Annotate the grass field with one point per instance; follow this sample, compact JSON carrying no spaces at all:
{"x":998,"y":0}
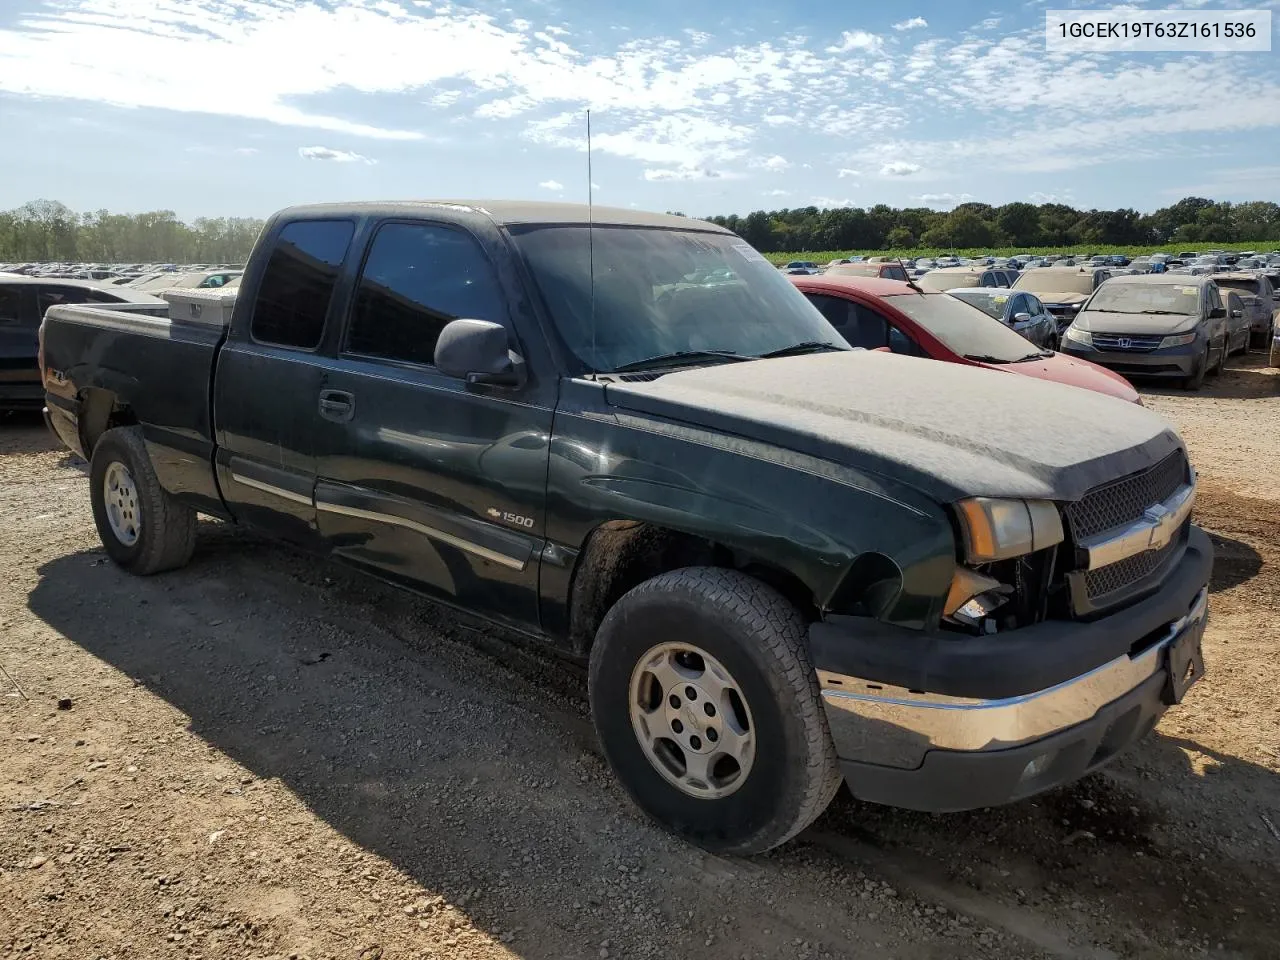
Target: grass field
{"x":824,"y":256}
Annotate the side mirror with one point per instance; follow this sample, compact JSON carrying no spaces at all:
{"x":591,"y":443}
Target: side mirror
{"x":1217,"y":313}
{"x":476,"y":351}
{"x":1021,"y":317}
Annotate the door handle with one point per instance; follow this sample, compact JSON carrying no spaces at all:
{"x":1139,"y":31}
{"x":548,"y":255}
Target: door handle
{"x":337,"y":405}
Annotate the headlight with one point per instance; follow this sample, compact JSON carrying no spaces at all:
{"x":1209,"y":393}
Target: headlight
{"x":999,"y":529}
{"x":1180,"y":340}
{"x":1080,"y":336}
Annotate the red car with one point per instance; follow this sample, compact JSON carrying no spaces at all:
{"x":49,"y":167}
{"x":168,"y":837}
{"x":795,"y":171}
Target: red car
{"x":892,"y":315}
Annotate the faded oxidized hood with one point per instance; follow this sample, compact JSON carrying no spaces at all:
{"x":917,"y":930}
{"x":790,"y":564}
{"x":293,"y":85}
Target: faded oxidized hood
{"x":948,"y":429}
{"x":1141,"y":324}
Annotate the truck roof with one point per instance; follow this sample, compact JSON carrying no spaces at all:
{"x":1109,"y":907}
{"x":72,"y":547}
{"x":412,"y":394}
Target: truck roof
{"x":511,"y":212}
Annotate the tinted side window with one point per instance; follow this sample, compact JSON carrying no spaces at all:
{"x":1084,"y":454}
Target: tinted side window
{"x":416,"y":279}
{"x":47,"y":297}
{"x":13,"y":310}
{"x":297,"y":285}
{"x":988,"y":279}
{"x":858,"y":325}
{"x":895,"y":273}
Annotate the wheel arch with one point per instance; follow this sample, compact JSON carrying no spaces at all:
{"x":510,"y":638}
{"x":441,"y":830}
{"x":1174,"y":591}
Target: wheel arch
{"x":621,"y":554}
{"x":101,"y":410}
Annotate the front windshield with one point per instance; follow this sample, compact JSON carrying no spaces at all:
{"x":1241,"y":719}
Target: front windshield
{"x":990,"y":303}
{"x":660,"y":292}
{"x":1054,"y":280}
{"x":1115,"y":297}
{"x":964,"y":329}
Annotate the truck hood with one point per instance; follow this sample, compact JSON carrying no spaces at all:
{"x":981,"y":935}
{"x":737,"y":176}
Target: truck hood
{"x":949,"y":430}
{"x":1150,"y":324}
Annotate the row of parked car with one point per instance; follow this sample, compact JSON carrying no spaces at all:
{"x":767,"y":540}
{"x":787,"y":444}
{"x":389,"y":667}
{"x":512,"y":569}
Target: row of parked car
{"x":128,"y":274}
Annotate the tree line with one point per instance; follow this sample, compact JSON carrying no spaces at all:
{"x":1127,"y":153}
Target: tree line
{"x":1193,"y":220}
{"x":47,"y":230}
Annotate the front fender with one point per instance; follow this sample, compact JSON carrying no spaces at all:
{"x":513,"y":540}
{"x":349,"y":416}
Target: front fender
{"x":806,"y":516}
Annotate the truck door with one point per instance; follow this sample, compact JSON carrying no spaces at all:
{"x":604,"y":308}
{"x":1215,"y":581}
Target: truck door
{"x":427,"y":479}
{"x":269,"y":381}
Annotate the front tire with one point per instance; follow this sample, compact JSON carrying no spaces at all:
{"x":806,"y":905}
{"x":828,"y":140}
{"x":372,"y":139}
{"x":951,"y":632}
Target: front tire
{"x":707,"y":706}
{"x":1196,"y":380}
{"x":1221,"y":365}
{"x":143,"y":528}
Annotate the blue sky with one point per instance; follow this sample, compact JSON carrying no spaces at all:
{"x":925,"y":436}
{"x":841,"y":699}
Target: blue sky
{"x":239,"y":107}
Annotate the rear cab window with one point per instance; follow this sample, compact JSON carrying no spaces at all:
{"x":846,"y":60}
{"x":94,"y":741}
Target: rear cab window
{"x":297,"y":285}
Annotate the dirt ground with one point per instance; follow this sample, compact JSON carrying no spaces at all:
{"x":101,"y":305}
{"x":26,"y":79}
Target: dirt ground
{"x":265,"y":756}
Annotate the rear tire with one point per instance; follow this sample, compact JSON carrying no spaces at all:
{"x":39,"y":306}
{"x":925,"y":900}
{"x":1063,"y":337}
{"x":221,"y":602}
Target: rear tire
{"x":717,"y":640}
{"x":143,"y":528}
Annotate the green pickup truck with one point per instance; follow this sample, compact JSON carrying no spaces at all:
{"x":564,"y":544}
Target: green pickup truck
{"x":787,"y":562}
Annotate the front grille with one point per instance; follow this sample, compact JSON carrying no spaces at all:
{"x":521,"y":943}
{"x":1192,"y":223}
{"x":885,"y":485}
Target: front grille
{"x":1116,"y":576}
{"x":1118,"y":504}
{"x":1123,"y":501}
{"x":1117,"y":341}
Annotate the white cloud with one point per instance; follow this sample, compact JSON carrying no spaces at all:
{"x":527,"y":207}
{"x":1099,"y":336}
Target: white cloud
{"x":915,"y":23}
{"x":1064,"y":197}
{"x":899,"y":168}
{"x":683,"y":173}
{"x":942,"y":200}
{"x":830,"y":203}
{"x":989,"y":24}
{"x":553,"y":185}
{"x":779,"y":119}
{"x":776,"y":193}
{"x":337,"y":156}
{"x":846,"y":172}
{"x":852,"y":40}
{"x":775,"y":164}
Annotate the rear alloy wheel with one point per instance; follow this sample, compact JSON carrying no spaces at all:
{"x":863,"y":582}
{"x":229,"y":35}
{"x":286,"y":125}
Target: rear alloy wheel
{"x":708,"y":709}
{"x":142,"y":527}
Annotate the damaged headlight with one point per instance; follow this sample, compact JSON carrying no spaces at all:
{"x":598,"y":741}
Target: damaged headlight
{"x":996,"y":529}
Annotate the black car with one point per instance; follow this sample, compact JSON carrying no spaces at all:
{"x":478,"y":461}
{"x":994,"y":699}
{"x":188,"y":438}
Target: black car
{"x":23,"y":301}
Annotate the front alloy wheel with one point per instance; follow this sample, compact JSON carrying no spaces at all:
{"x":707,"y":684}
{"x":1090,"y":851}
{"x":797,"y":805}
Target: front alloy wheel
{"x":692,"y":721}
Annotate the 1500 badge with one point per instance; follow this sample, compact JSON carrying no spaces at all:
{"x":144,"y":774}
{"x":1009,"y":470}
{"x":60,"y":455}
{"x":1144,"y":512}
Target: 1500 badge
{"x":515,"y":518}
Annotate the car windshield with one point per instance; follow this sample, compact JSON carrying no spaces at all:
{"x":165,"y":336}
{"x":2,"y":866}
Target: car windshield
{"x":1146,"y":298}
{"x":1054,"y":280}
{"x":990,"y":302}
{"x":962,"y":328}
{"x":663,"y":292}
{"x":1249,"y":286}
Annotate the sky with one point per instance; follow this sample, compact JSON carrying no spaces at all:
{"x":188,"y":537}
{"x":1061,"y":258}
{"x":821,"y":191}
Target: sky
{"x":241,"y":107}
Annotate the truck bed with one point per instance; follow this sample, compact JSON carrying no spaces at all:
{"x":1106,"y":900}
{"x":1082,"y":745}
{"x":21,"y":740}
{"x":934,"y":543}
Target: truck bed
{"x":94,"y":358}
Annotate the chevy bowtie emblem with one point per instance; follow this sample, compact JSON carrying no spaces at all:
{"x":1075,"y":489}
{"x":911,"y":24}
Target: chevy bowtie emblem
{"x":494,"y":512}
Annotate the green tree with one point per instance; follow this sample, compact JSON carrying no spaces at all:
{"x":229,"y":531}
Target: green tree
{"x":900,"y":238}
{"x":1019,"y":223}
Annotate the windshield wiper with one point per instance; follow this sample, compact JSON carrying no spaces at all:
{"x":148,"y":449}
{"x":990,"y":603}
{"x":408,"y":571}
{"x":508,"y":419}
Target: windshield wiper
{"x":985,"y":358}
{"x":806,"y":346}
{"x":1038,"y":355}
{"x":680,"y":358}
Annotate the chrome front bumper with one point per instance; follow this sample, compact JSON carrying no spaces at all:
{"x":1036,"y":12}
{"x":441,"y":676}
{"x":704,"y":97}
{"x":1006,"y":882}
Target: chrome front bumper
{"x":873,"y":723}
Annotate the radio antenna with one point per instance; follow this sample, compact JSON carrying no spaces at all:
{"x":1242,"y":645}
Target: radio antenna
{"x":591,"y":252}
